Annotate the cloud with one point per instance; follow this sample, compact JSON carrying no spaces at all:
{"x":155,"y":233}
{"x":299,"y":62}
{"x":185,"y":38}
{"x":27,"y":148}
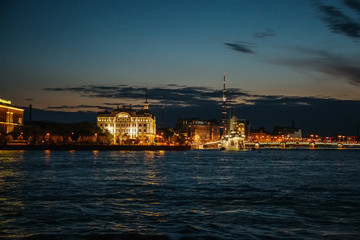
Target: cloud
{"x":266,"y":34}
{"x":338,"y":22}
{"x":243,"y":47}
{"x":353,"y":4}
{"x":325,"y":62}
{"x":174,"y":85}
{"x":168,"y":95}
{"x":68,"y":107}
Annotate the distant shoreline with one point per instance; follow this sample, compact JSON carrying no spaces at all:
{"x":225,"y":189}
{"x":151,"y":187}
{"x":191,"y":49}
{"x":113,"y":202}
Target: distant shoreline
{"x":96,"y":147}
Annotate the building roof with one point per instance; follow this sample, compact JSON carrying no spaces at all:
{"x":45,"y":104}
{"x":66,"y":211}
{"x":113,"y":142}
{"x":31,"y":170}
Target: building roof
{"x":130,"y":111}
{"x":11,"y":107}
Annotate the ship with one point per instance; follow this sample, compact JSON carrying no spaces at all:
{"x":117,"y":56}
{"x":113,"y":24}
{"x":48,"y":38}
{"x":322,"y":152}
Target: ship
{"x":234,"y":140}
{"x":233,"y":132}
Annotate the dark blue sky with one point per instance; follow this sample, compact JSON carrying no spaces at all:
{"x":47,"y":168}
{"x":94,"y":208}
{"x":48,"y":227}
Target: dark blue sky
{"x":92,"y":55}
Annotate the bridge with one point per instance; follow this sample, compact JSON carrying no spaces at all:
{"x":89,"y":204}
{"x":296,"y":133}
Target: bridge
{"x":291,"y":144}
{"x":311,"y":145}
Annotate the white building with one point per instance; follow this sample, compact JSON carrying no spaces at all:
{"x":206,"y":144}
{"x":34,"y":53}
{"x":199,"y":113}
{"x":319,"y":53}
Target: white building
{"x":126,"y":124}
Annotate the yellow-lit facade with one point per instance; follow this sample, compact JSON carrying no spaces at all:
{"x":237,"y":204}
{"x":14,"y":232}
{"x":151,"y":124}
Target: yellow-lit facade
{"x":126,"y":124}
{"x":10,"y":117}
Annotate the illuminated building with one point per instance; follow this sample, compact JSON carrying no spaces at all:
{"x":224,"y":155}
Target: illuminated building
{"x":10,"y":116}
{"x":288,"y":132}
{"x":127,"y":124}
{"x":260,"y":136}
{"x":199,"y":130}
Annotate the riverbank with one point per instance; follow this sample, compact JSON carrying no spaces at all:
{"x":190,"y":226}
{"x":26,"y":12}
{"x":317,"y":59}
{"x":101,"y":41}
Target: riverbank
{"x":96,"y":147}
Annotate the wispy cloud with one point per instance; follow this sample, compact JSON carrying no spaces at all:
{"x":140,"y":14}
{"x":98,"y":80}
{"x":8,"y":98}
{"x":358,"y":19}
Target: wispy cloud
{"x":266,"y":34}
{"x":342,"y":68}
{"x":337,"y":21}
{"x":243,"y":47}
{"x":68,"y":107}
{"x":353,"y":4}
{"x":172,"y":85}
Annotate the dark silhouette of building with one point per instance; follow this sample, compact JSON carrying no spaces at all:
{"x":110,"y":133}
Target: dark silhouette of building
{"x":287,"y":132}
{"x":199,"y":130}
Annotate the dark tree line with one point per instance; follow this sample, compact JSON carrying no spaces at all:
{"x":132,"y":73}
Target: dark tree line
{"x":57,"y":133}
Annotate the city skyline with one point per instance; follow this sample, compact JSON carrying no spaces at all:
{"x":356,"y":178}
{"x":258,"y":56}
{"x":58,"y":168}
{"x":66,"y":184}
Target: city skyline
{"x":288,"y":60}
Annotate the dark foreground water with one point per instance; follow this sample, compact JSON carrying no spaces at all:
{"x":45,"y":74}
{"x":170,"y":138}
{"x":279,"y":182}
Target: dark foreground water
{"x":272,"y":194}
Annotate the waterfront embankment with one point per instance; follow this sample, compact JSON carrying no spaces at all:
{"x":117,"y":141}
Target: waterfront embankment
{"x":97,"y":147}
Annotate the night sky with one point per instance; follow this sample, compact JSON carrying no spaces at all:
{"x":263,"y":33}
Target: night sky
{"x":285,"y":60}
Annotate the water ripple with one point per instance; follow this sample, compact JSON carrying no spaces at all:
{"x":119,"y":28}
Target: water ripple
{"x":275,"y":194}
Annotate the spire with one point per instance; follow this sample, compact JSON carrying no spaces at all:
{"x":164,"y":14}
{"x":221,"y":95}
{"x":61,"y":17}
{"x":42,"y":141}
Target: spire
{"x":146,"y":106}
{"x":224,"y":113}
{"x":146,"y":102}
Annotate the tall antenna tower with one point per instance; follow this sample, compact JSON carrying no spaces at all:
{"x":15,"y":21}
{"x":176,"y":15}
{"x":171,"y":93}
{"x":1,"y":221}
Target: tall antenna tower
{"x":224,"y":112}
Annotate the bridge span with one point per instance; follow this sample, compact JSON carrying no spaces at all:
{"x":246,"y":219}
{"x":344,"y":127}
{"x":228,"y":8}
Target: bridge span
{"x":312,"y":145}
{"x":291,"y":144}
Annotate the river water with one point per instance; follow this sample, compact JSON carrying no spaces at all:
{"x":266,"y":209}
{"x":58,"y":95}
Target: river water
{"x":272,"y":194}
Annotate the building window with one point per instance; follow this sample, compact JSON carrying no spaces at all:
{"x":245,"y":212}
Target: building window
{"x":144,"y":124}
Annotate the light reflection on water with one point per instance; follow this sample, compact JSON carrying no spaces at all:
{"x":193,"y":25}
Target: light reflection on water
{"x":152,"y":168}
{"x":47,"y":156}
{"x":195,"y":194}
{"x":10,"y":179}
